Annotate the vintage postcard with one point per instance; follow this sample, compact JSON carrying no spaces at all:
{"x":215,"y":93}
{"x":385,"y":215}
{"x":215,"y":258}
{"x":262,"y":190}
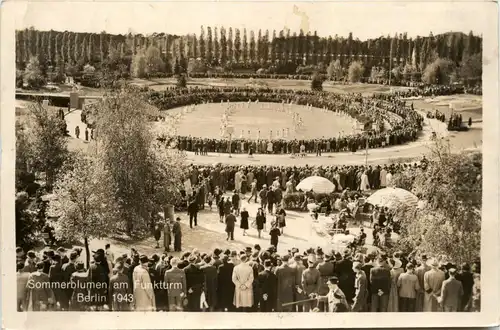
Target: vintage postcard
{"x":249,"y":164}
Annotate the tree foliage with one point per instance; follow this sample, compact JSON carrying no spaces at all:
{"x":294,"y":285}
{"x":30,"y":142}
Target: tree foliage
{"x":439,"y":72}
{"x":334,"y":70}
{"x":317,"y":82}
{"x":46,"y":144}
{"x":356,"y":70}
{"x":33,"y":74}
{"x":141,"y":178}
{"x":82,"y":204}
{"x":450,"y":223}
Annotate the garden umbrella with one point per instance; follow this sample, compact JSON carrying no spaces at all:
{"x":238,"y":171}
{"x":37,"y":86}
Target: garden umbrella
{"x":393,"y":197}
{"x":317,"y":184}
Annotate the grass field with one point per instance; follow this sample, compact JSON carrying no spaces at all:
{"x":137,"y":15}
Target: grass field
{"x":205,"y":121}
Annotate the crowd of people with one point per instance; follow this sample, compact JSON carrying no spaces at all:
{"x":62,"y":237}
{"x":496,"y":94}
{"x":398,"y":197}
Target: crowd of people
{"x":403,"y":123}
{"x":252,"y":178}
{"x":251,"y":280}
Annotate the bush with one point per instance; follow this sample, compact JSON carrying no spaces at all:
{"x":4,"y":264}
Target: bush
{"x":181,"y":81}
{"x":317,"y":82}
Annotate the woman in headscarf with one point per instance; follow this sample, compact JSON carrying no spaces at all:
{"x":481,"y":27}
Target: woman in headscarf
{"x":244,"y":221}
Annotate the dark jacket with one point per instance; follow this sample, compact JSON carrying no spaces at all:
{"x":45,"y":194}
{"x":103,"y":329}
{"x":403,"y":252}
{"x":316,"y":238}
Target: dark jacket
{"x":380,"y":279}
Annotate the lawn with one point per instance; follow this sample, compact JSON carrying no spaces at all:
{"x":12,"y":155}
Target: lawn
{"x":205,"y":121}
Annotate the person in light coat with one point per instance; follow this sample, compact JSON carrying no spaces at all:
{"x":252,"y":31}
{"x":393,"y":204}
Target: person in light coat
{"x":383,"y":178}
{"x":420,"y":271}
{"x":433,"y":279}
{"x":243,"y":281}
{"x":144,"y":297}
{"x":365,"y":185}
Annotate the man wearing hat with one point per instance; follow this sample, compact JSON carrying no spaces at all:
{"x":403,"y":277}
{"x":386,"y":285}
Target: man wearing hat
{"x":451,"y":292}
{"x":144,"y":297}
{"x":334,"y":296}
{"x":194,"y":282}
{"x":267,"y":283}
{"x":299,"y":268}
{"x":210,"y":281}
{"x":99,"y":277}
{"x":225,"y":285}
{"x":380,"y":278}
{"x":311,"y":281}
{"x":243,"y":284}
{"x":433,"y":280}
{"x":408,"y":287}
{"x":286,"y":284}
{"x":177,"y":233}
{"x":79,"y":278}
{"x":67,"y":270}
{"x":120,"y":293}
{"x":361,"y":286}
{"x":263,"y":197}
{"x":175,"y":282}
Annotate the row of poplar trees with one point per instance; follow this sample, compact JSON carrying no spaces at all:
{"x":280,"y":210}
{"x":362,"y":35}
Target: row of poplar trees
{"x":221,"y":46}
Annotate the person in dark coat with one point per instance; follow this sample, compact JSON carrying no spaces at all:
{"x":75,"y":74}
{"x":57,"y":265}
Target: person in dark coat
{"x":270,"y":200}
{"x":194,"y":282}
{"x":210,"y":284}
{"x":281,"y":218}
{"x":157,"y":235}
{"x":260,"y":220}
{"x":56,"y":279}
{"x":346,"y":277}
{"x":235,"y":200}
{"x":380,"y":278}
{"x":267,"y":284}
{"x":193,"y":212}
{"x":275,"y":233}
{"x":67,"y":270}
{"x":220,"y":207}
{"x":286,"y":285}
{"x":244,"y":221}
{"x":79,"y":280}
{"x":99,"y":277}
{"x":176,"y":231}
{"x":230,"y":221}
{"x":466,"y":277}
{"x":225,"y":285}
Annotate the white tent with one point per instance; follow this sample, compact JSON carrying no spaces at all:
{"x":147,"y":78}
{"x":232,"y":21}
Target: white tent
{"x":317,"y":184}
{"x":392,"y":197}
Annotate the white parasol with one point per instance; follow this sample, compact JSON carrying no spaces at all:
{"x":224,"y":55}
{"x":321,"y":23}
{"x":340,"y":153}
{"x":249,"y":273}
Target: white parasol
{"x":393,"y":197}
{"x":317,"y":184}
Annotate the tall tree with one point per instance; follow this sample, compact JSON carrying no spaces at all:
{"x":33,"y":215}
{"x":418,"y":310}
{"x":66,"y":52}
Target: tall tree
{"x":251,"y":50}
{"x":230,"y":51}
{"x":223,"y":46}
{"x":216,"y":46}
{"x":201,"y":43}
{"x":210,"y":55}
{"x":237,"y":45}
{"x":245,"y":54}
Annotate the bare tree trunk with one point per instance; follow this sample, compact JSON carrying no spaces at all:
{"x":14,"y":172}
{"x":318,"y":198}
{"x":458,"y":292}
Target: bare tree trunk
{"x":87,"y":251}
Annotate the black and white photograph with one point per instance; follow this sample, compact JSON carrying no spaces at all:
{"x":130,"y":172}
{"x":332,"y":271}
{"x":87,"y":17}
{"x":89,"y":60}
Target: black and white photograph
{"x":255,"y":159}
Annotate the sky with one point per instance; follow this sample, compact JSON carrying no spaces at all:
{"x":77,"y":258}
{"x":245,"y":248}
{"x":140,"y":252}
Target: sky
{"x":363,"y":19}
